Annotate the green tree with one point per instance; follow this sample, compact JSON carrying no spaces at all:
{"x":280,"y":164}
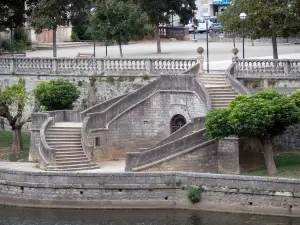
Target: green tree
{"x":13,"y":99}
{"x":265,"y":18}
{"x":118,"y":20}
{"x":263,"y":115}
{"x":56,"y":94}
{"x":49,"y":14}
{"x":159,"y":12}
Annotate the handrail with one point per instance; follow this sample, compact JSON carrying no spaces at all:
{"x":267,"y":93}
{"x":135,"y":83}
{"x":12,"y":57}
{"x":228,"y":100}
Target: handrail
{"x":138,"y":159}
{"x":231,"y":80}
{"x":46,"y":152}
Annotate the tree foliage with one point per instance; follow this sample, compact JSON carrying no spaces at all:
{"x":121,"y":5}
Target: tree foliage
{"x":14,"y":99}
{"x":56,"y":94}
{"x":49,"y":14}
{"x":160,"y":11}
{"x":265,"y":18}
{"x":118,"y":20}
{"x":262,"y":115}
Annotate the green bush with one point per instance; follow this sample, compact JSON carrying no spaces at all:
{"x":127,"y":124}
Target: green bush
{"x":74,"y":37}
{"x":5,"y":46}
{"x":56,"y":94}
{"x":194,"y":195}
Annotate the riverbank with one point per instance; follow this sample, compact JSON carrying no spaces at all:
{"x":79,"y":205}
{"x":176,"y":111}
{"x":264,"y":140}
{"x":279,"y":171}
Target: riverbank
{"x":164,"y":190}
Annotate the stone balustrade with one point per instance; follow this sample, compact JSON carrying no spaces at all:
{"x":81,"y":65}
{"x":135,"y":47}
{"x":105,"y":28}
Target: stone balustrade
{"x":267,"y":68}
{"x":92,"y":66}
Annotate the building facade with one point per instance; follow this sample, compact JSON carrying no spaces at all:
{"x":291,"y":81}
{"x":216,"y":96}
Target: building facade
{"x":212,"y":7}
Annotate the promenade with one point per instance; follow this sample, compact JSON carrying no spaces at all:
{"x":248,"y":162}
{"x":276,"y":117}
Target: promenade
{"x":219,"y":53}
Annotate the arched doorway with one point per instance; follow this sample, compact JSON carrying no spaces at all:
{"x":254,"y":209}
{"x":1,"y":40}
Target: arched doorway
{"x":177,"y":121}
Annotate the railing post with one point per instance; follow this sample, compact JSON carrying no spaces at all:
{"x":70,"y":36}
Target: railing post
{"x":100,"y":65}
{"x":200,"y":50}
{"x":149,"y":65}
{"x":235,"y":58}
{"x":12,"y":63}
{"x":287,"y":67}
{"x":54,"y":65}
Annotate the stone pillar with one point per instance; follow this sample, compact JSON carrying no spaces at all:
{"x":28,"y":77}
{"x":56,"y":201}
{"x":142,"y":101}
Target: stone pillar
{"x":228,"y":155}
{"x":149,"y":65}
{"x":200,"y":59}
{"x":12,"y":65}
{"x":235,"y":51}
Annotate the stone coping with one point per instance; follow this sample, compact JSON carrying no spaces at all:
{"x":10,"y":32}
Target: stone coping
{"x":152,"y":174}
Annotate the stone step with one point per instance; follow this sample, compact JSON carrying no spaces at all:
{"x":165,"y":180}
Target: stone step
{"x":63,"y":154}
{"x":212,"y":75}
{"x":74,"y":162}
{"x":212,"y":79}
{"x":213,"y":98}
{"x":68,"y":158}
{"x":64,"y":131}
{"x":62,"y":142}
{"x":81,"y":166}
{"x":213,"y":83}
{"x":68,"y":139}
{"x":222,"y":93}
{"x":65,"y":146}
{"x":63,"y":136}
{"x":64,"y":128}
{"x":68,"y":152}
{"x":76,"y":169}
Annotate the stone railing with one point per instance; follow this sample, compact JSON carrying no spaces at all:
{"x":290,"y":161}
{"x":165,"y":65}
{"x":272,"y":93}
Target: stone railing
{"x":92,"y":66}
{"x":267,"y":68}
{"x":47,"y":154}
{"x":179,"y":33}
{"x":136,"y":160}
{"x":196,"y":124}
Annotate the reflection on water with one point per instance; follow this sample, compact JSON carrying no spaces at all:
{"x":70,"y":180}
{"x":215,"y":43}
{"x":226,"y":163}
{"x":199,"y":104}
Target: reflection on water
{"x":25,"y":216}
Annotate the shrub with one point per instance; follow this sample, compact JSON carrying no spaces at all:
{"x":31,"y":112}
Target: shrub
{"x":56,"y":94}
{"x":74,"y":37}
{"x":194,"y":195}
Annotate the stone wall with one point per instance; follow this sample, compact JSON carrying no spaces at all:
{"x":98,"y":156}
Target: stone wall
{"x":233,"y":193}
{"x":147,"y":123}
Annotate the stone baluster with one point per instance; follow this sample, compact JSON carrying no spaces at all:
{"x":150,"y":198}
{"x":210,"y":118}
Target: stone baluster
{"x":200,"y":51}
{"x":12,"y":65}
{"x":54,"y":65}
{"x":149,"y":65}
{"x":287,"y":67}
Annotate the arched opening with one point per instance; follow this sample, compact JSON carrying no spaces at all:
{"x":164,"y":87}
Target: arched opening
{"x":177,"y":121}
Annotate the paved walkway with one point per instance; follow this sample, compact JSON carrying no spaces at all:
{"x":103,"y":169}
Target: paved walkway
{"x":106,"y":167}
{"x":219,"y":53}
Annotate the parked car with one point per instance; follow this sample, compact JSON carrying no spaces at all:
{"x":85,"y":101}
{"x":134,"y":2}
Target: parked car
{"x":192,"y":27}
{"x":216,"y":27}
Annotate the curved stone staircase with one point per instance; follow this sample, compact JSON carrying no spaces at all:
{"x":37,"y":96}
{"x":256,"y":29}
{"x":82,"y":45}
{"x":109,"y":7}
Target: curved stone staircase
{"x":65,"y":138}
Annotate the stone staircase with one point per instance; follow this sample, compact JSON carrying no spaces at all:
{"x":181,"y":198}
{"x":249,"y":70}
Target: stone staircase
{"x":220,"y":92}
{"x":65,"y":138}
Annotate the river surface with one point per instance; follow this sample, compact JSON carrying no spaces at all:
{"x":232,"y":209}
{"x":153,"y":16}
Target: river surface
{"x":27,"y":216}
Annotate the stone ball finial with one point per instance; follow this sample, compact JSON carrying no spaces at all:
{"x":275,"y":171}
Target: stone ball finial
{"x":235,"y":51}
{"x":200,"y":50}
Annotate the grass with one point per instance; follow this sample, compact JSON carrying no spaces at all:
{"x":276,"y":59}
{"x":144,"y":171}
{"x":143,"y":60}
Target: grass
{"x":5,"y":147}
{"x":288,"y":166}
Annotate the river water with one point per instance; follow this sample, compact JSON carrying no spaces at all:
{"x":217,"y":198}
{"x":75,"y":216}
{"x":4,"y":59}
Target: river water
{"x":27,"y":216}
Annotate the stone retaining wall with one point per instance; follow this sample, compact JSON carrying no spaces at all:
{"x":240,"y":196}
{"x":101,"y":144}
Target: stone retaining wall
{"x":263,"y":195}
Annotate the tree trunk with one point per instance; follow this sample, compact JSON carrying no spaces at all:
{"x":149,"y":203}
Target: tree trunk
{"x":269,"y":155}
{"x":158,"y":40}
{"x":120,"y":48}
{"x":17,"y":140}
{"x":274,"y":45}
{"x":54,"y":42}
{"x":2,"y":126}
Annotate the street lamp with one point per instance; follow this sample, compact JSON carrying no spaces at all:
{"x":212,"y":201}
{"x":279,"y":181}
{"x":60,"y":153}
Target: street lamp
{"x":243,"y":17}
{"x":92,"y":13}
{"x":207,"y":17}
{"x":11,"y":14}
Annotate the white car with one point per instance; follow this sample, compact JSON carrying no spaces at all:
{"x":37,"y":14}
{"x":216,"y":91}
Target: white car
{"x":192,"y":27}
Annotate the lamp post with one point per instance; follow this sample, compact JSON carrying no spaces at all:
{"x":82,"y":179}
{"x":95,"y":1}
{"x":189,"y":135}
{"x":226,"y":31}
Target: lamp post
{"x":11,"y":14}
{"x":92,"y":13}
{"x":207,"y":17}
{"x":243,"y":17}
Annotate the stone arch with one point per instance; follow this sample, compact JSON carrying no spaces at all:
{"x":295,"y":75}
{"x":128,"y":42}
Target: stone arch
{"x":177,"y":122}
